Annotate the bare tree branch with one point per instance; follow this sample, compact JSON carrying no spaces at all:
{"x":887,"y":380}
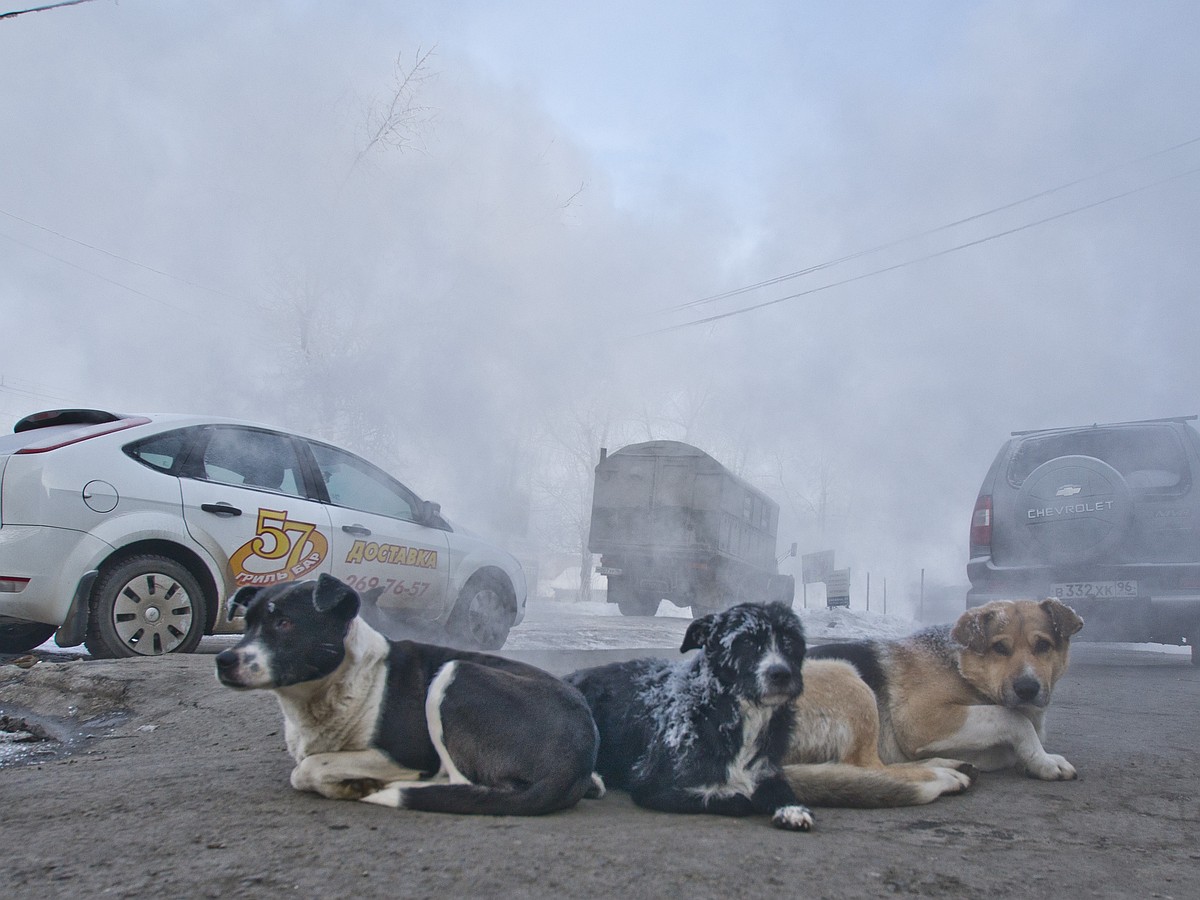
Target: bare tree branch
{"x":398,"y":125}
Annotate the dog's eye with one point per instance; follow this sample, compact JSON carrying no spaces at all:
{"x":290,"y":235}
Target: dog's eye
{"x":1042,"y":646}
{"x":1001,"y":649}
{"x":284,"y":625}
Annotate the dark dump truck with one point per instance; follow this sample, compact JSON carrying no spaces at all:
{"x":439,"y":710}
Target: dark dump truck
{"x":670,"y":522}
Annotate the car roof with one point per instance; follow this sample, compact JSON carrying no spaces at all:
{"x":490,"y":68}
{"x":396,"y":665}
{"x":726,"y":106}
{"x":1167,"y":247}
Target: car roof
{"x":47,"y":425}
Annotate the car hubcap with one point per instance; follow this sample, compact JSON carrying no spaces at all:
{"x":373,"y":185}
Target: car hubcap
{"x":485,"y":615}
{"x":152,"y":614}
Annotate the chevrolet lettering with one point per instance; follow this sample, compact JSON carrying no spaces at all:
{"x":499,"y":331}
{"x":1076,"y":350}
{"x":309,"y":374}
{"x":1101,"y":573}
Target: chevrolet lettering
{"x":1069,"y":510}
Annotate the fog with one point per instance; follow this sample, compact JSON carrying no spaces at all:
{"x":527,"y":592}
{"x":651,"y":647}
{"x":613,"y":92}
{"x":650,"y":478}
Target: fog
{"x":202,"y":213}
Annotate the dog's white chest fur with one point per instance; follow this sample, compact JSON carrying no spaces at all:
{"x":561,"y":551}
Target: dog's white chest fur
{"x":744,"y":772}
{"x":340,"y":711}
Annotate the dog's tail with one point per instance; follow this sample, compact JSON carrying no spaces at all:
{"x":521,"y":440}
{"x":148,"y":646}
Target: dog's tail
{"x":903,"y":784}
{"x":545,"y":796}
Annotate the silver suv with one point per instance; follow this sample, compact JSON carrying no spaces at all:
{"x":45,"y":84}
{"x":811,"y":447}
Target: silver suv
{"x":1103,"y":517}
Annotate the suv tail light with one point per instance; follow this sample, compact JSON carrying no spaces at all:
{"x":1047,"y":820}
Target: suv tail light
{"x":981,"y":523}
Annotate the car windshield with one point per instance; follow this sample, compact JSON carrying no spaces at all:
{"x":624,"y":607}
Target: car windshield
{"x":1151,"y":459}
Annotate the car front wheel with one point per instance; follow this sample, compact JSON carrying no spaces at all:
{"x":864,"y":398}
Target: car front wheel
{"x":145,"y":606}
{"x":483,"y":614}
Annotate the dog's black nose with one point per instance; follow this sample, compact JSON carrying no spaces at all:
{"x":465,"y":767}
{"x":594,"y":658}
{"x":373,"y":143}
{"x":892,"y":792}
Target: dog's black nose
{"x":1026,"y":688}
{"x":777,"y":676}
{"x":226,"y":660}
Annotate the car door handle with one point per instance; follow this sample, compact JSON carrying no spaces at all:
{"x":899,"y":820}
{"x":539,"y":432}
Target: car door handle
{"x":358,"y":530}
{"x":221,"y":509}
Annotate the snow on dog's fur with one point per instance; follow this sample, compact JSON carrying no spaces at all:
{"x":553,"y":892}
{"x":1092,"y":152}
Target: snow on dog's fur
{"x":708,"y":734}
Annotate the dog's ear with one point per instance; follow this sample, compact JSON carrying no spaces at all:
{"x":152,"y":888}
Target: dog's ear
{"x":697,"y":634}
{"x":975,"y":627}
{"x":1063,"y":619}
{"x":335,"y":596}
{"x":237,"y":605}
{"x":371,"y":597}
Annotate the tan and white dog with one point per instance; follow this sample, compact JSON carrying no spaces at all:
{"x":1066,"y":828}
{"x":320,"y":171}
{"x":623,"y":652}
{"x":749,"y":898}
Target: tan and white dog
{"x":833,"y":758}
{"x":976,"y":691}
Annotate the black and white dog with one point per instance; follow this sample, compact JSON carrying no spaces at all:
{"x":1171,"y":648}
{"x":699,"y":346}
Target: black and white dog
{"x":709,"y":734}
{"x":404,"y":724}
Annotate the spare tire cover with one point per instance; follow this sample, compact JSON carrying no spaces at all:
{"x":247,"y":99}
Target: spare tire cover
{"x":1073,"y":509}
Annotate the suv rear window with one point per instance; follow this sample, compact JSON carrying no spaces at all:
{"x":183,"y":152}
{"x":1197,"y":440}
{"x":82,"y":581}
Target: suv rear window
{"x":1152,"y":459}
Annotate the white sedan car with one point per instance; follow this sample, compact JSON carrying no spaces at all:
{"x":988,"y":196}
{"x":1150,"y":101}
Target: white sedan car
{"x":127,"y":532}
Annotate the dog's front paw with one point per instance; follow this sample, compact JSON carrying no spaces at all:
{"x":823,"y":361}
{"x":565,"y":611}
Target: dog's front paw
{"x":970,"y":772}
{"x":596,"y":789}
{"x":392,"y":795}
{"x":356,"y":788}
{"x":1050,"y":767}
{"x":793,"y":818}
{"x":950,"y":781}
{"x":965,"y":769}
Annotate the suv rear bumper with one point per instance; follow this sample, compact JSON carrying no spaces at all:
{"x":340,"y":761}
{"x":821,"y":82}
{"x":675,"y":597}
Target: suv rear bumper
{"x":1159,"y":613}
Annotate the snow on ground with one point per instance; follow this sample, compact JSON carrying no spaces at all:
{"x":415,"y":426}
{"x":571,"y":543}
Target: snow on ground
{"x":571,"y":625}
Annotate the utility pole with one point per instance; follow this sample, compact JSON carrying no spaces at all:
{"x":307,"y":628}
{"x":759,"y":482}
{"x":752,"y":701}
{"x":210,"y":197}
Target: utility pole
{"x":921,"y":607}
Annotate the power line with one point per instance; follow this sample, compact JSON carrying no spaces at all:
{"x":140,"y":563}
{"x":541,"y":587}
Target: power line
{"x":734,"y":292}
{"x":11,"y":386}
{"x":132,"y":262}
{"x":67,"y":262}
{"x":928,"y":256}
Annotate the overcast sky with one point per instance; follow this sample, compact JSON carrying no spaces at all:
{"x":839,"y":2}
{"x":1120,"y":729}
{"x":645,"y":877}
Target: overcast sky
{"x":194,"y":218}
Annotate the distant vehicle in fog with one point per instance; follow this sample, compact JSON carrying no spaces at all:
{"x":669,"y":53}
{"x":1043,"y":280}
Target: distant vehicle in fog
{"x":670,"y":522}
{"x":1105,"y":518}
{"x":128,"y":532}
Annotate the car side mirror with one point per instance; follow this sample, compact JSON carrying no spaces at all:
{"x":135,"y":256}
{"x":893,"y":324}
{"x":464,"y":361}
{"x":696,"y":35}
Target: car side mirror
{"x":429,"y":513}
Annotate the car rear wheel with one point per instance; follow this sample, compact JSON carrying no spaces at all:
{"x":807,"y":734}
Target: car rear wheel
{"x":483,"y":614}
{"x":145,"y":606}
{"x":22,"y":638}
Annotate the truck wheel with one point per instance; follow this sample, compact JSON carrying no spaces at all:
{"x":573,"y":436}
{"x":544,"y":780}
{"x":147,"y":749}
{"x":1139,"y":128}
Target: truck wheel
{"x":710,"y":599}
{"x":23,"y":638}
{"x":637,"y":606}
{"x":145,"y":606}
{"x":705,"y":604}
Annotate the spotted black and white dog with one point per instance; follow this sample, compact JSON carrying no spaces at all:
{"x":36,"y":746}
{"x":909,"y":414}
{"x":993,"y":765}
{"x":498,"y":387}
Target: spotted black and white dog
{"x":405,"y":724}
{"x":708,"y":734}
